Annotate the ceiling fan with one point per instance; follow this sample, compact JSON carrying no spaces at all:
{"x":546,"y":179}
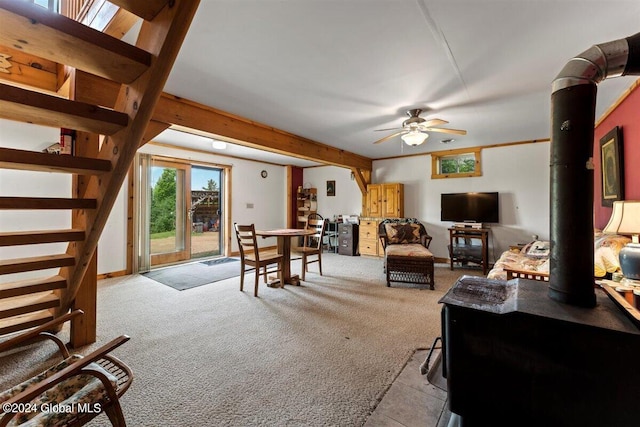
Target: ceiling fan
{"x":414,"y":129}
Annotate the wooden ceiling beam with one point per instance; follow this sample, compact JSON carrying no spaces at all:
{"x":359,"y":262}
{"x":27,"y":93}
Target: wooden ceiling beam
{"x":177,"y":111}
{"x":238,"y":130}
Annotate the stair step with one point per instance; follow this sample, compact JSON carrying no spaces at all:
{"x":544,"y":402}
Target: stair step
{"x":35,"y":30}
{"x":26,"y":321}
{"x":46,"y":203}
{"x":14,"y":238}
{"x":47,"y":110}
{"x":24,"y":287}
{"x":24,"y":304}
{"x":45,"y":162}
{"x":20,"y":265}
{"x":144,"y":9}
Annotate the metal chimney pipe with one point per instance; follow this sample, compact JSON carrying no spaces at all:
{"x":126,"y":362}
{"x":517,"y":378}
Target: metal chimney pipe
{"x":573,"y":101}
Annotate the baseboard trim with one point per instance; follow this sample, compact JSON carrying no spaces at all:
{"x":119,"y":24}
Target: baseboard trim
{"x":112,"y":274}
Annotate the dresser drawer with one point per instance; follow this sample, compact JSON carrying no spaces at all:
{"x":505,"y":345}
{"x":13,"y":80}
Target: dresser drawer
{"x":369,"y":247}
{"x":369,"y":231}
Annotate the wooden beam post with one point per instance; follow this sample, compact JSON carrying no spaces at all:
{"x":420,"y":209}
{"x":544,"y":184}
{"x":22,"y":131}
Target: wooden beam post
{"x":83,"y":328}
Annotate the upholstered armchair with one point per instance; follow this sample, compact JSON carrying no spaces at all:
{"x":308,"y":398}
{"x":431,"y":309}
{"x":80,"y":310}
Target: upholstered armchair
{"x":407,"y":257}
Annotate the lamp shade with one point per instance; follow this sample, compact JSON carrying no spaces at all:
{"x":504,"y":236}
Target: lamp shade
{"x":415,"y":137}
{"x":625,"y":219}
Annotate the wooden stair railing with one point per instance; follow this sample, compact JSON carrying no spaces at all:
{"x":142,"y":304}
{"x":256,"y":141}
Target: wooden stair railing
{"x":141,"y":71}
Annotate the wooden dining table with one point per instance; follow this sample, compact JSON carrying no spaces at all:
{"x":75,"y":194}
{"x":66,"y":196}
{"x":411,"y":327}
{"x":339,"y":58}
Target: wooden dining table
{"x":284,"y":236}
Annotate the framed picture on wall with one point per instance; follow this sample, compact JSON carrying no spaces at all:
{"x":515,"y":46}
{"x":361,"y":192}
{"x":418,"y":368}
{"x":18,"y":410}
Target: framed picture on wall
{"x":331,"y":188}
{"x":611,"y":157}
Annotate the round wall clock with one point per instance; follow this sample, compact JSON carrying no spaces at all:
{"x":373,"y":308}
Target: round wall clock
{"x":264,"y":174}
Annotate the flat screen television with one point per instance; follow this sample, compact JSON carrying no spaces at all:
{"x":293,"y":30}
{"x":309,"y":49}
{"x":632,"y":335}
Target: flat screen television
{"x":470,"y":207}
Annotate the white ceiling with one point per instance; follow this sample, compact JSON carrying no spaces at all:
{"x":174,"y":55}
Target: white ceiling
{"x":335,"y":70}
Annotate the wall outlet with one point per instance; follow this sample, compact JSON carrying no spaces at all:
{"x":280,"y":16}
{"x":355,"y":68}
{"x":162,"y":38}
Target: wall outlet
{"x":249,"y":205}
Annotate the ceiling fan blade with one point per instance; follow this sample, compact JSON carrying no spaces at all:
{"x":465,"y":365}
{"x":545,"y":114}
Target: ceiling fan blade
{"x":380,"y":130}
{"x":434,"y":122}
{"x":390,"y":136}
{"x":443,"y":130}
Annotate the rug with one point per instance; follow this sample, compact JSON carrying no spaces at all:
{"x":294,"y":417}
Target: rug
{"x":192,"y":275}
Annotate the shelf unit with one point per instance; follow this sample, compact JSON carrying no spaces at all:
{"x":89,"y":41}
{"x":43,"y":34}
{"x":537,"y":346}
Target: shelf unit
{"x":307,"y":203}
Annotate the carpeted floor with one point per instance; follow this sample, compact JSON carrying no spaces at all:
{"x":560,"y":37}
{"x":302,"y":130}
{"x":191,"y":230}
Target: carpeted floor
{"x":320,"y":354}
{"x":196,"y":274}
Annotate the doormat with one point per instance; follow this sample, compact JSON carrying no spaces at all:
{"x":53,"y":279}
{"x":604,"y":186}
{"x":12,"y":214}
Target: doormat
{"x":196,"y":274}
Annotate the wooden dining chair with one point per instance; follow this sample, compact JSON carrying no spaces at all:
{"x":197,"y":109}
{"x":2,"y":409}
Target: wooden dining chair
{"x":250,"y":256}
{"x":313,"y":243}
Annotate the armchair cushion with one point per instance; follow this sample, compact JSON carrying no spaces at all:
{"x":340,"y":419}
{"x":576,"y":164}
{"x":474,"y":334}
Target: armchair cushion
{"x":408,"y":250}
{"x":402,"y":233}
{"x":80,"y":389}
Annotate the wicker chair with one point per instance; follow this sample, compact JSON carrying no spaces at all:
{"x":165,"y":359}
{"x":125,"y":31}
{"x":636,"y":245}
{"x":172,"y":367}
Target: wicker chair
{"x":406,"y":254}
{"x":73,"y":391}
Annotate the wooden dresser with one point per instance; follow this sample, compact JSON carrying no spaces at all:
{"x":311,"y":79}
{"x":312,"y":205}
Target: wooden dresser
{"x":369,"y":242}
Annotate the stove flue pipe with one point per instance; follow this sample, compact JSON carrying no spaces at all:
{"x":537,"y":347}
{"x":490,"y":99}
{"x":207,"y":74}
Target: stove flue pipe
{"x":573,"y":101}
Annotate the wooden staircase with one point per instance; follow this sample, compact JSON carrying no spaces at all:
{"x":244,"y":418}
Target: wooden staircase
{"x":98,"y":169}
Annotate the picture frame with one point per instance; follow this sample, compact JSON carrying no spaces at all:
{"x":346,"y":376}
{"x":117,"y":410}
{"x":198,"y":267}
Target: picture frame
{"x":331,"y":188}
{"x":612,"y":166}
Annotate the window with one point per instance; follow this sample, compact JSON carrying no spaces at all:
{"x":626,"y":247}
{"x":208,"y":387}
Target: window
{"x":456,"y":163}
{"x":52,"y":5}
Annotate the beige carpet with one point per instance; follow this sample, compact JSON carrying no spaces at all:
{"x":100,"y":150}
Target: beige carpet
{"x":321,"y":354}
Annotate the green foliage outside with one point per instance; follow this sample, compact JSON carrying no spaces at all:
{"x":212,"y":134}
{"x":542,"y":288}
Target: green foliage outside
{"x":457,"y":165}
{"x":211,"y":185}
{"x":163,"y":203}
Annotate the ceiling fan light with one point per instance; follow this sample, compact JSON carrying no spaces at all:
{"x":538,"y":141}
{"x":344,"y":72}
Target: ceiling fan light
{"x":218,"y":145}
{"x":414,"y":138}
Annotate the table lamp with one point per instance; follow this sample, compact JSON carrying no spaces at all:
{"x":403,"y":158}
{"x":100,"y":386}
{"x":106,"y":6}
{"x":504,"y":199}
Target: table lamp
{"x":625,"y":219}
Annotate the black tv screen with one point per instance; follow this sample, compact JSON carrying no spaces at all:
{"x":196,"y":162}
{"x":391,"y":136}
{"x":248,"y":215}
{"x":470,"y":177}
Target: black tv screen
{"x":470,"y":207}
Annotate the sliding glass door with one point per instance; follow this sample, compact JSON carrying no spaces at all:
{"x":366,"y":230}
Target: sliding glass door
{"x":181,"y":212}
{"x":206,"y":211}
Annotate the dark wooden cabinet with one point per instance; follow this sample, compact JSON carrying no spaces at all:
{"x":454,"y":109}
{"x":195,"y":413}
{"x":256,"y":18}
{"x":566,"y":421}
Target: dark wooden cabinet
{"x":348,"y":239}
{"x":469,"y":245}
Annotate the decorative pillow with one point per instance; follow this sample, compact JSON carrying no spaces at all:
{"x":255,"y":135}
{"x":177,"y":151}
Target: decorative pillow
{"x":537,"y":249}
{"x":402,"y":233}
{"x":613,"y":241}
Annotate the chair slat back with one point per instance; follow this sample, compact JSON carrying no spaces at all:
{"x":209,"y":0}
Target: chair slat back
{"x":247,"y":243}
{"x":318,"y":225}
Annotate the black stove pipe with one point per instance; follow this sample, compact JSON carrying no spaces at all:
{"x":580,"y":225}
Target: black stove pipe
{"x":573,"y":101}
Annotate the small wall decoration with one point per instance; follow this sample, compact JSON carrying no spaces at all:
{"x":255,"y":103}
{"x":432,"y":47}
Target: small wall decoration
{"x":611,"y":154}
{"x":331,"y":188}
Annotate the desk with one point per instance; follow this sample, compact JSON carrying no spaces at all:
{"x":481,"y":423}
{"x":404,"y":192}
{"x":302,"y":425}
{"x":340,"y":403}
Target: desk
{"x":284,"y":236}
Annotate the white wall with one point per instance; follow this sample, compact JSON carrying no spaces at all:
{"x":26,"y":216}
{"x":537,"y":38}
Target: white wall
{"x":348,"y":198}
{"x":520,"y":173}
{"x":24,"y":136}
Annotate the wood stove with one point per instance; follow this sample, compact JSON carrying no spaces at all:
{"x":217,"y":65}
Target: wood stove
{"x":514,"y":357}
{"x":520,"y":353}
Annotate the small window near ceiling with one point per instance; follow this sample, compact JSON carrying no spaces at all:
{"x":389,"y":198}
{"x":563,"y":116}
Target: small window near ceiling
{"x":456,"y":163}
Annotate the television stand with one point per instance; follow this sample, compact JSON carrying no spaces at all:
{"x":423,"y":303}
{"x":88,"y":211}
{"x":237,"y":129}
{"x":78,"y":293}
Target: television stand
{"x":462,"y":249}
